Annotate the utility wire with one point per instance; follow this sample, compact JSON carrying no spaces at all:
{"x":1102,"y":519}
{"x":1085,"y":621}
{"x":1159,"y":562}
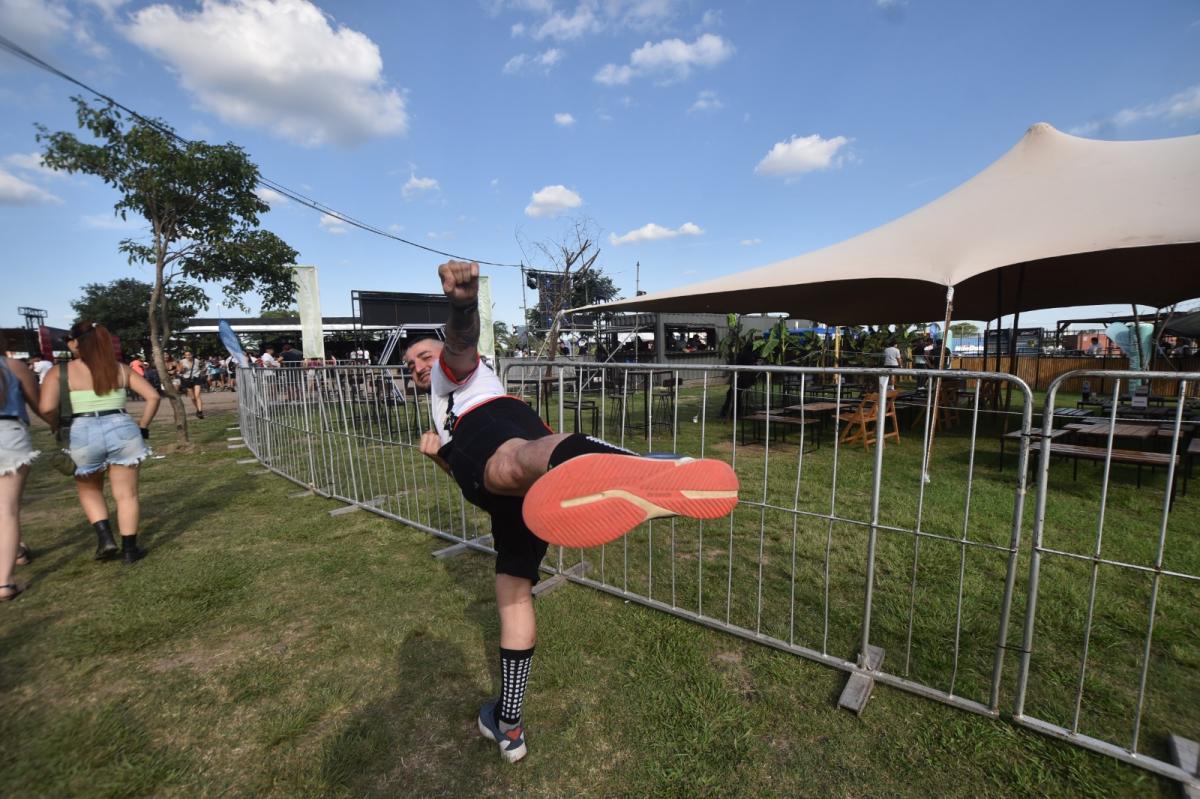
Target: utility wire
{"x":20,"y":52}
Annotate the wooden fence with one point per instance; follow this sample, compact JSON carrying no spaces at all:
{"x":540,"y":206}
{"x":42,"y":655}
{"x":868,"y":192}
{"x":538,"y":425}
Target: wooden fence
{"x":1039,"y":370}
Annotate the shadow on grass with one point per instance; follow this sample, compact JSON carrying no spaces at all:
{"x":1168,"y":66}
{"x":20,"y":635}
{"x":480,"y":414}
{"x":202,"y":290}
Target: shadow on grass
{"x":417,"y":741}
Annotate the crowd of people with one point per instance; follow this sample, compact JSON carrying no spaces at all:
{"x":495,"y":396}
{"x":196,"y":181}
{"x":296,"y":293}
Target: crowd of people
{"x":84,"y":400}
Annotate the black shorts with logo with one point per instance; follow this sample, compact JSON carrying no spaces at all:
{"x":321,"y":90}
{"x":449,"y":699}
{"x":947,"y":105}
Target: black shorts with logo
{"x":477,"y":436}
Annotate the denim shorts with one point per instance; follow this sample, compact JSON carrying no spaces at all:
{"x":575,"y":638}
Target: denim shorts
{"x":16,"y":448}
{"x":98,"y":442}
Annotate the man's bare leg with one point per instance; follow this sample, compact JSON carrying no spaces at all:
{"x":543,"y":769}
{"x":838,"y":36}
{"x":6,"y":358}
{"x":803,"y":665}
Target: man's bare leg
{"x":518,"y":625}
{"x":517,"y":463}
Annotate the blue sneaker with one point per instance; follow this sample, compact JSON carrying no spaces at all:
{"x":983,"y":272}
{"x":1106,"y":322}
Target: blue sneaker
{"x":512,"y":743}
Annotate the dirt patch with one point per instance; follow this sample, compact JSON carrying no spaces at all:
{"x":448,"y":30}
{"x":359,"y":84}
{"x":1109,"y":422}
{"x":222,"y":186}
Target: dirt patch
{"x":207,"y":657}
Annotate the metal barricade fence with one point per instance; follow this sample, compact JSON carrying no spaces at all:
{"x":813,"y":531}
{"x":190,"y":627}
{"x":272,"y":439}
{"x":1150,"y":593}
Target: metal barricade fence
{"x":844,"y":543}
{"x":1114,"y":574}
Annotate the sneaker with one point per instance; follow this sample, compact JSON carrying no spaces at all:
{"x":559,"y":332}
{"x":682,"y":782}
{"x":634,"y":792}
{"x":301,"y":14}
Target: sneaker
{"x":594,"y":499}
{"x":512,"y":743}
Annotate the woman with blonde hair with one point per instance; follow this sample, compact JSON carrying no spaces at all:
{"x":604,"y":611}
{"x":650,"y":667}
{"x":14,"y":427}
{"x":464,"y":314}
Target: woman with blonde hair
{"x":103,"y":437}
{"x":18,"y":386}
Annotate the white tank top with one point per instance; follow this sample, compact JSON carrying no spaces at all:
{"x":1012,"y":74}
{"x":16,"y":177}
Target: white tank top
{"x":452,"y":396}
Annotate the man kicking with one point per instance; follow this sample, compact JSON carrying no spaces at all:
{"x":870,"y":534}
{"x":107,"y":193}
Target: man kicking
{"x":538,"y":487}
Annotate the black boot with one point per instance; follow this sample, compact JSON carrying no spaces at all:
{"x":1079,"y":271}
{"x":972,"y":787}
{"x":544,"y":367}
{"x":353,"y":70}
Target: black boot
{"x":106,"y":547}
{"x":129,"y":549}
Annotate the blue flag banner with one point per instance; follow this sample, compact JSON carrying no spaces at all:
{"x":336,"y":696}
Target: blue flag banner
{"x":230,"y":340}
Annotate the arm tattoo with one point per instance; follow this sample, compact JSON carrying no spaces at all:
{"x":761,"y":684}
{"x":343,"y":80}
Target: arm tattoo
{"x":462,"y":329}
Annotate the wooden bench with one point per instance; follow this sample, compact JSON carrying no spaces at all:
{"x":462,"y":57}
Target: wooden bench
{"x":759,"y":421}
{"x":1078,"y":452}
{"x":1190,"y":454}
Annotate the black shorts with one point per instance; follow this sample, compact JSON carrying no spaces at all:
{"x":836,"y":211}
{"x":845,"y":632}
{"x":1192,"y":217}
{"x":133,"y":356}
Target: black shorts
{"x":477,"y":436}
{"x":187,"y":382}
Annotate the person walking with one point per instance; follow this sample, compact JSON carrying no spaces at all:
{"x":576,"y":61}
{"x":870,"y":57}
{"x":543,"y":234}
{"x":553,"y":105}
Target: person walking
{"x":214,"y":373}
{"x":192,"y":381}
{"x":18,"y":387}
{"x":103,"y":437}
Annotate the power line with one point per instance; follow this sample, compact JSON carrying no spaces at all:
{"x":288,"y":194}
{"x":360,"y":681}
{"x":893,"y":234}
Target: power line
{"x":17,"y":50}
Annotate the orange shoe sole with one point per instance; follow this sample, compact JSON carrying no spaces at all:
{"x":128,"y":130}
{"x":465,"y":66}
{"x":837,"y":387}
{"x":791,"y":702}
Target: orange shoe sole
{"x":594,"y":499}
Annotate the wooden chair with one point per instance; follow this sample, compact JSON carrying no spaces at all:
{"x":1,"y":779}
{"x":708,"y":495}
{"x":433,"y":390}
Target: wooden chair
{"x":948,"y":412}
{"x":869,"y":413}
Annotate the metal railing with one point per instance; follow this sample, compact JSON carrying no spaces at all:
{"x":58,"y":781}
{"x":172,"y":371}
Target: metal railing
{"x":839,"y":544}
{"x":1116,"y":661}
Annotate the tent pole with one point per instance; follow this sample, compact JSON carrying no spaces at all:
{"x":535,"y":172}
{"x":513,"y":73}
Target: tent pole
{"x":937,"y":387}
{"x":1012,"y":344}
{"x":1137,"y":336}
{"x":999,"y":318}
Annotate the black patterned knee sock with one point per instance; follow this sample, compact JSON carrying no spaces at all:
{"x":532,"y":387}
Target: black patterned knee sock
{"x":578,"y":444}
{"x":514,"y":675}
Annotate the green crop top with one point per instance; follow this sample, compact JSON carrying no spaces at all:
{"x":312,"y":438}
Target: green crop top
{"x":88,"y":401}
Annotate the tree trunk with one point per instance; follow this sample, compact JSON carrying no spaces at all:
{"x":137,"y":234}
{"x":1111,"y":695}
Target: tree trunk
{"x":159,"y":334}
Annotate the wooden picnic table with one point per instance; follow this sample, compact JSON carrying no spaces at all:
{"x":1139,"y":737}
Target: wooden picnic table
{"x":1037,"y":435}
{"x":1142,"y":432}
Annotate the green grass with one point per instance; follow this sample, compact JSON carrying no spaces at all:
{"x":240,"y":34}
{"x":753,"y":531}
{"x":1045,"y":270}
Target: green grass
{"x":264,"y":648}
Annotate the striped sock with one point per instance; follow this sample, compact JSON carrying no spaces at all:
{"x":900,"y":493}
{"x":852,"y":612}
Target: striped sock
{"x":514,"y":675}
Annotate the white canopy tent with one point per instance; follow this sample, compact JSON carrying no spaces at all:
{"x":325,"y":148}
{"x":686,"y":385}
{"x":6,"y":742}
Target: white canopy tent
{"x":1058,"y":220}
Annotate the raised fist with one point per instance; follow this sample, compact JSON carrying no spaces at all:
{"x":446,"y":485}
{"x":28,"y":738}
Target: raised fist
{"x":460,"y":282}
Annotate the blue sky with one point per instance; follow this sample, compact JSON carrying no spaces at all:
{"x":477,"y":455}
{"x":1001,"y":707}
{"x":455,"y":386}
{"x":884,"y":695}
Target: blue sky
{"x":699,"y":138}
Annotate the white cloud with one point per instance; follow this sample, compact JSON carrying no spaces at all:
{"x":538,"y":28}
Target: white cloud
{"x":415,"y":187}
{"x":613,"y":75}
{"x":523,"y":63}
{"x":750,"y":242}
{"x":653,"y":232}
{"x":798,"y":155}
{"x":707,"y":100}
{"x":712,"y":18}
{"x":552,"y":201}
{"x":107,"y":7}
{"x":564,"y":120}
{"x":648,"y":14}
{"x":278,"y":65}
{"x":32,"y":163}
{"x":561,"y":27}
{"x":890,"y":4}
{"x":435,"y":235}
{"x":113,"y":222}
{"x":270,"y":196}
{"x":1176,"y":108}
{"x":668,"y":60}
{"x":16,"y":191}
{"x":589,"y":16}
{"x":333,"y":225}
{"x":395,"y":227}
{"x":34,"y":23}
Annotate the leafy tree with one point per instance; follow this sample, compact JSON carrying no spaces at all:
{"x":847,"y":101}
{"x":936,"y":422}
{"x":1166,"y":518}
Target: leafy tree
{"x":964,"y":329}
{"x":199,"y":201}
{"x":123,"y":305}
{"x":779,"y":346}
{"x":505,"y":338}
{"x":280,"y":313}
{"x":736,"y":339}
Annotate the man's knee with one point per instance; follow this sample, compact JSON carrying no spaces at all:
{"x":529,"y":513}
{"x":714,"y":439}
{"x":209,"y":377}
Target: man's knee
{"x":503,"y":473}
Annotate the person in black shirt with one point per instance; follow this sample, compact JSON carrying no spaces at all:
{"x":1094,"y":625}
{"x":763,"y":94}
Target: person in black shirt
{"x":290,"y":356}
